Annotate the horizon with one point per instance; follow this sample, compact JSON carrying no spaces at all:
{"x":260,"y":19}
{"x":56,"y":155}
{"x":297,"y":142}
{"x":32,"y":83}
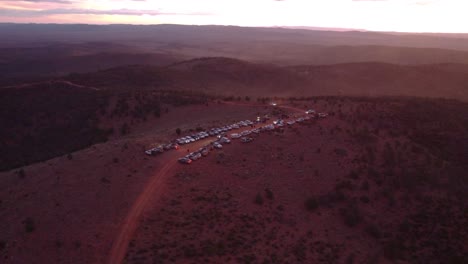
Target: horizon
{"x":308,"y":28}
{"x":413,"y":16}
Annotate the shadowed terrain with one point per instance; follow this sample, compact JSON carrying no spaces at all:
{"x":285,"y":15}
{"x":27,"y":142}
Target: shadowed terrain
{"x":377,"y":176}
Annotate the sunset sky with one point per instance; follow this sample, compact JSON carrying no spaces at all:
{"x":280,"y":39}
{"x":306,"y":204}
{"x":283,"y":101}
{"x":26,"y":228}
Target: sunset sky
{"x":379,"y":15}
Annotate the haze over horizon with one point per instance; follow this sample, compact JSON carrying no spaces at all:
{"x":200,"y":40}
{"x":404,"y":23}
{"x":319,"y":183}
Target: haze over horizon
{"x":435,"y":16}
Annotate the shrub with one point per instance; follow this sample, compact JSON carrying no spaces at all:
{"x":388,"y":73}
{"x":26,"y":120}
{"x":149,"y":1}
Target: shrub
{"x":354,"y":175}
{"x":373,"y":230}
{"x":69,"y":156}
{"x":178,"y":131}
{"x":29,"y":225}
{"x":124,"y":129}
{"x":351,"y":215}
{"x":269,"y":194}
{"x":311,"y":204}
{"x":364,"y":199}
{"x":21,"y":174}
{"x":259,"y":199}
{"x":393,"y":250}
{"x":3,"y":245}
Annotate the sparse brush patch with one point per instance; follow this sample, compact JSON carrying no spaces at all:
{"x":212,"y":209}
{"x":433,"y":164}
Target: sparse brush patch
{"x":259,"y":199}
{"x":353,"y":175}
{"x":373,"y":230}
{"x":351,"y":215}
{"x":3,"y":245}
{"x":21,"y":174}
{"x":269,"y":194}
{"x":29,"y":225}
{"x":311,"y":204}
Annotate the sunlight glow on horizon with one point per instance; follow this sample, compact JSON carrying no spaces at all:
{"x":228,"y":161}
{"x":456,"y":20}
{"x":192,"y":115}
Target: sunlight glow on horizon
{"x":445,"y":16}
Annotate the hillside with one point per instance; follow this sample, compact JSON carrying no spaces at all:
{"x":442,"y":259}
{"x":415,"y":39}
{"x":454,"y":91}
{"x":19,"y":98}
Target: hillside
{"x":49,"y":119}
{"x":54,"y":59}
{"x":380,"y":180}
{"x":224,"y":76}
{"x":67,"y":114}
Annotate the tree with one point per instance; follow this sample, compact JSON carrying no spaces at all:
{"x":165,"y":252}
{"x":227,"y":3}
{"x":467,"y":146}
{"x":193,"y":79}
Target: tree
{"x":259,"y":199}
{"x":29,"y":225}
{"x":125,"y":129}
{"x":178,"y":131}
{"x":311,"y":204}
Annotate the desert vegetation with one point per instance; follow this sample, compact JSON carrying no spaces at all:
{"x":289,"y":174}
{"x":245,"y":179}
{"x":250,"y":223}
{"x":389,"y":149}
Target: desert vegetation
{"x":52,"y":119}
{"x":394,"y":193}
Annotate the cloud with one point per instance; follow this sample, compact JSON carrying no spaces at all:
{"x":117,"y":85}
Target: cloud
{"x":72,"y":11}
{"x":49,"y":1}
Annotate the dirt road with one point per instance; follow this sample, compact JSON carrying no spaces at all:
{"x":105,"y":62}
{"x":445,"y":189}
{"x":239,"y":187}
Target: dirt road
{"x":154,"y":186}
{"x":119,"y":247}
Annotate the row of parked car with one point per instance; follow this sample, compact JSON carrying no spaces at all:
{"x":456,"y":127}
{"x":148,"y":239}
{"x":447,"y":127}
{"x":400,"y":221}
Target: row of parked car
{"x":213,"y":132}
{"x":278,"y":124}
{"x":222,"y":139}
{"x":203,"y":151}
{"x":161,"y":149}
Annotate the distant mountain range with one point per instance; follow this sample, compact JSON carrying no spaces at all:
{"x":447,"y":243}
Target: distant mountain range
{"x":54,"y":49}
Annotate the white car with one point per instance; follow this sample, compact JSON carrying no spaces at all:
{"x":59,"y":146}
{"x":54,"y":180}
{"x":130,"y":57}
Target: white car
{"x":224,"y":140}
{"x":217,"y":145}
{"x":246,"y":139}
{"x":245,"y":133}
{"x":235,"y":135}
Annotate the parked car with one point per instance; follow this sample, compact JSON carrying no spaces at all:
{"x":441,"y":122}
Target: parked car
{"x":185,"y":160}
{"x":245,"y":133}
{"x":155,"y":151}
{"x":292,"y":122}
{"x":224,"y":140}
{"x":217,"y":145}
{"x":322,"y":115}
{"x":235,"y":135}
{"x":195,"y":155}
{"x":310,"y":111}
{"x":204,"y":151}
{"x":246,"y":139}
{"x":171,"y":146}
